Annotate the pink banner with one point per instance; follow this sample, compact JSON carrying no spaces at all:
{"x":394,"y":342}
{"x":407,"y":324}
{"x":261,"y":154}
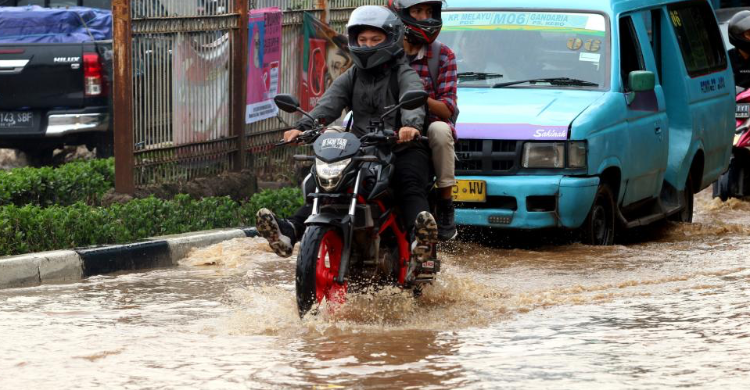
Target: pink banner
{"x":264,"y":59}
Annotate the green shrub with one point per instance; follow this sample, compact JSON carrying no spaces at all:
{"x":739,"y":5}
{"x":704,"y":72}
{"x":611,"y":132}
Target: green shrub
{"x":283,"y":202}
{"x":33,"y":228}
{"x":81,"y":181}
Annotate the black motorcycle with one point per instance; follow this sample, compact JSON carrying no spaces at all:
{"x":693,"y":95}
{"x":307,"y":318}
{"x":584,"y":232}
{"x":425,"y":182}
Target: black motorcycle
{"x":354,"y":237}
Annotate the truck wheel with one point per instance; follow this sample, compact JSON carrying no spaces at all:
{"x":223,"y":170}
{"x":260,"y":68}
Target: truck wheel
{"x":318,"y":263}
{"x":686,"y":214}
{"x":105,"y":147}
{"x":39,"y":157}
{"x":599,"y":227}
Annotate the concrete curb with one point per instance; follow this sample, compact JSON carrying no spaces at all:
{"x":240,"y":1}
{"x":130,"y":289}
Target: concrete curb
{"x":67,"y":266}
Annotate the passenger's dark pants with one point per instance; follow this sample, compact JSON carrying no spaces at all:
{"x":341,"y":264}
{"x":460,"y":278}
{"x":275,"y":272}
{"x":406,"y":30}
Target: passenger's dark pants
{"x":410,"y":180}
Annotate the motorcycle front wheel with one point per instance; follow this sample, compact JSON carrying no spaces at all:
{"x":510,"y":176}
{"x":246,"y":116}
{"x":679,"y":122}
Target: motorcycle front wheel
{"x":728,"y":184}
{"x":318,"y":265}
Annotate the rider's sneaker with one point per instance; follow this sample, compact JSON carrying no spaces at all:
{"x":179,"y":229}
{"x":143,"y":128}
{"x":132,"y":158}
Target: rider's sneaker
{"x":446,"y":218}
{"x":279,"y":232}
{"x":425,"y":235}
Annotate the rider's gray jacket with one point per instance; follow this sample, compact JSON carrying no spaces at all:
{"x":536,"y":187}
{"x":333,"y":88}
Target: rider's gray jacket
{"x":368,"y":98}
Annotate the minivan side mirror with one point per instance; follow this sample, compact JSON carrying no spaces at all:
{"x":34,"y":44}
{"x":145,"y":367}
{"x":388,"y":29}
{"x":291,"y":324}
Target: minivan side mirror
{"x":286,"y":103}
{"x":640,"y":81}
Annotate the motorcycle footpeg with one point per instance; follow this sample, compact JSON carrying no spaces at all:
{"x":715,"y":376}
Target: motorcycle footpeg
{"x":424,"y":279}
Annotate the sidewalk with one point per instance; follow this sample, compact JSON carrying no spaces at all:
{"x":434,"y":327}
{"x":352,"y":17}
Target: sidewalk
{"x":66,"y":266}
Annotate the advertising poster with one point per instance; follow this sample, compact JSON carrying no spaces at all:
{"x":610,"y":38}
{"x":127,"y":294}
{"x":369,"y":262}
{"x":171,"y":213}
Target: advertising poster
{"x":264,"y":57}
{"x":199,"y":70}
{"x":325,"y":57}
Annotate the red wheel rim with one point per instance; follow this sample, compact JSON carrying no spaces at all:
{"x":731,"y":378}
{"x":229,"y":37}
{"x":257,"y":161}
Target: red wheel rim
{"x":327,"y":269}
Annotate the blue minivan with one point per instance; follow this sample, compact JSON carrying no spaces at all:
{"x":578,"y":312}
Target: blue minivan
{"x":591,"y":115}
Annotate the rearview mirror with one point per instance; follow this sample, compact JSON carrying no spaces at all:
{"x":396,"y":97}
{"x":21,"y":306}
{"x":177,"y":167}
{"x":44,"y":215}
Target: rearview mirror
{"x":287,"y":103}
{"x":411,"y":100}
{"x":641,"y":81}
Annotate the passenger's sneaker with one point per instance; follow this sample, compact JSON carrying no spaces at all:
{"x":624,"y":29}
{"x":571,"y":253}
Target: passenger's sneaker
{"x":446,"y":218}
{"x":279,"y":232}
{"x":425,"y":235}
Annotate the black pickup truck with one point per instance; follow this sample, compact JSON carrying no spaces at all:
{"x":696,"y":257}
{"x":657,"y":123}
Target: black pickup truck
{"x":54,"y":85}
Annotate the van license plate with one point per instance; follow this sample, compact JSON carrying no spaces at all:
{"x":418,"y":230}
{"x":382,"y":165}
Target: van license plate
{"x":16,"y":120}
{"x":470,"y":191}
{"x":742,"y":111}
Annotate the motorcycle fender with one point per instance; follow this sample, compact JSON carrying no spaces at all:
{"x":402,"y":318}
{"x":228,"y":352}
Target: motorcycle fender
{"x":344,"y":224}
{"x":326,"y":219}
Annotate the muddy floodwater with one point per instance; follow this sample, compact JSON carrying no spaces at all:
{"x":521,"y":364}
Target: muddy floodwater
{"x":669,"y":307}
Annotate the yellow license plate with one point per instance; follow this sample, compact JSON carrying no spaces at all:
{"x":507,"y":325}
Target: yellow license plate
{"x":470,"y":191}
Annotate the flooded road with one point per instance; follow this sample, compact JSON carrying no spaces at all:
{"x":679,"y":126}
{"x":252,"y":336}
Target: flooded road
{"x":669,"y":310}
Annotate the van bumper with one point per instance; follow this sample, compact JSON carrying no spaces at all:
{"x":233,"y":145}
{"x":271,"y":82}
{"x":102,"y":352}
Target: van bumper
{"x":540,"y":202}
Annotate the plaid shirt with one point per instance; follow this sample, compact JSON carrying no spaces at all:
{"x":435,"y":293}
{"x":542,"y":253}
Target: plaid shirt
{"x":447,"y":79}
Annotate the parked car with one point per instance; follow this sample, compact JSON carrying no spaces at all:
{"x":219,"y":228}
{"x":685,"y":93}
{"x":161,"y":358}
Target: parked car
{"x":591,"y":115}
{"x":55,"y":67}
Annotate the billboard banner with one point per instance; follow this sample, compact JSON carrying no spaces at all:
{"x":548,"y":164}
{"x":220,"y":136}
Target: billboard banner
{"x":200,"y":72}
{"x":264,"y":59}
{"x":325,"y":57}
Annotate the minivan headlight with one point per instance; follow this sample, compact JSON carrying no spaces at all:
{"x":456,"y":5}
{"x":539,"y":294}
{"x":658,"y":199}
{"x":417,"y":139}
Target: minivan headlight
{"x":329,"y":175}
{"x":544,"y":155}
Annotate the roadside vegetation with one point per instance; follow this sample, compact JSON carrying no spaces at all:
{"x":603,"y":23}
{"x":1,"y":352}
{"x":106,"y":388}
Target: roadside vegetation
{"x":45,"y":209}
{"x":80,"y":181}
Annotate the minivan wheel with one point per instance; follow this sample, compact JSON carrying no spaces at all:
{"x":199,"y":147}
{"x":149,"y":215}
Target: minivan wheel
{"x":686,"y":214}
{"x":599,"y":227}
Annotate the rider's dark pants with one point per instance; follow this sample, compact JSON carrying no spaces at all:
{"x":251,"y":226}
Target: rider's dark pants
{"x":410,"y":181}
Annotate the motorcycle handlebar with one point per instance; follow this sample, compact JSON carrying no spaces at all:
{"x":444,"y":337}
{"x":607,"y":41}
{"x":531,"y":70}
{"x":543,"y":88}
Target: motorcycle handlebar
{"x":307,"y":137}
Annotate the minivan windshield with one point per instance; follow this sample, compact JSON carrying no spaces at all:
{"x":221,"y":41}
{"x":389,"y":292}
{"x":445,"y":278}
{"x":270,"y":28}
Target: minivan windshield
{"x":504,"y":47}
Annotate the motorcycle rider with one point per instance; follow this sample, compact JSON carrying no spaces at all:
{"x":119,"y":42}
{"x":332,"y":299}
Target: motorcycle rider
{"x":423,"y":24}
{"x":375,"y":41}
{"x":739,"y":56}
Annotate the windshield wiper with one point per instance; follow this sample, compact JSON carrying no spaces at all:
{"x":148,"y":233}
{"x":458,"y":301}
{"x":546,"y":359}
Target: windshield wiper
{"x":563,"y":81}
{"x":479,"y":76}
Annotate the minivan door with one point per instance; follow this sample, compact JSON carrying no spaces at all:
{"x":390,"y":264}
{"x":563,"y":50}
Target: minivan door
{"x":646,"y":116}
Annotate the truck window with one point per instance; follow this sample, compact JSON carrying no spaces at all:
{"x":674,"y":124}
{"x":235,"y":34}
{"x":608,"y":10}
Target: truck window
{"x":62,"y":3}
{"x":31,"y":2}
{"x":631,"y":57}
{"x":699,"y":38}
{"x":103,"y":4}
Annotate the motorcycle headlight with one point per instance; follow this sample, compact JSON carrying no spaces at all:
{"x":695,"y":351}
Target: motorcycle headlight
{"x":544,"y":155}
{"x":329,"y":175}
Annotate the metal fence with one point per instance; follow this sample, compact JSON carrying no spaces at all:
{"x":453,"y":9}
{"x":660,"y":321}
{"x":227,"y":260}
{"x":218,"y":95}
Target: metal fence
{"x":180,"y":80}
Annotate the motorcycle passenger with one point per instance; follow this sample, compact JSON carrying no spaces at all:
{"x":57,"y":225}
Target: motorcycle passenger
{"x":375,"y":41}
{"x":739,"y":56}
{"x":423,"y":24}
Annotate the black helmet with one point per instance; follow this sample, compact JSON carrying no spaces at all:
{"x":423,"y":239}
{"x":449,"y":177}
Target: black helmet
{"x":419,"y":31}
{"x":739,"y":23}
{"x":380,"y":18}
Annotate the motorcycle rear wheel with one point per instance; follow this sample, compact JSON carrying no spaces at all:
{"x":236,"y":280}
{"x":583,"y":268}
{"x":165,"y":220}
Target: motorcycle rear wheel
{"x":318,"y":264}
{"x":728,"y":184}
